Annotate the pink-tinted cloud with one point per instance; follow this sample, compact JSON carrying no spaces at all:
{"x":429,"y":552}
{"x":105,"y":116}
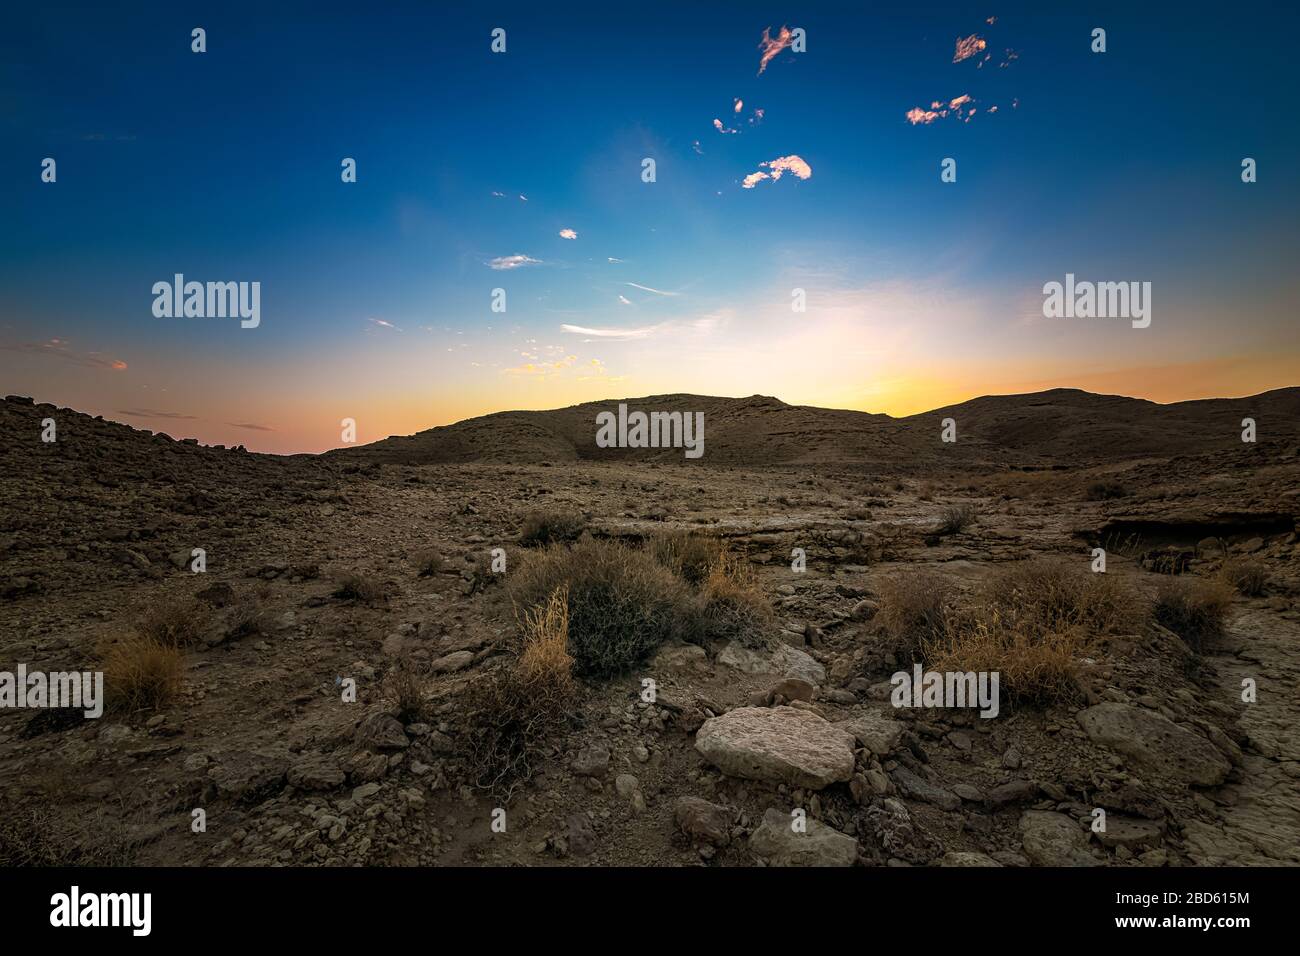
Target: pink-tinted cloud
{"x":740,"y":104}
{"x":968,"y":47}
{"x":568,"y":234}
{"x":721,"y":128}
{"x":792,"y":164}
{"x":772,"y":46}
{"x":956,"y":107}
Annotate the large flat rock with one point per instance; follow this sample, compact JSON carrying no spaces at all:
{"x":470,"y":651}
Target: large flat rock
{"x":778,"y":744}
{"x":782,"y":659}
{"x":1153,"y":741}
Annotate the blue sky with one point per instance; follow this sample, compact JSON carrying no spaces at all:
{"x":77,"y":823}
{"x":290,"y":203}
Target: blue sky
{"x":375,"y":295}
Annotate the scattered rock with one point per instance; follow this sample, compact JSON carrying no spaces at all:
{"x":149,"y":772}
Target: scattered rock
{"x":703,"y":822}
{"x":1053,"y":839}
{"x":775,"y":842}
{"x":779,"y":744}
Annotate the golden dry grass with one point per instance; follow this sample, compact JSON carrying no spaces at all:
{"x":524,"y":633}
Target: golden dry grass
{"x":732,"y":606}
{"x":913,"y":609}
{"x":514,"y":709}
{"x":140,"y":674}
{"x":1193,"y":608}
{"x":1032,"y":622}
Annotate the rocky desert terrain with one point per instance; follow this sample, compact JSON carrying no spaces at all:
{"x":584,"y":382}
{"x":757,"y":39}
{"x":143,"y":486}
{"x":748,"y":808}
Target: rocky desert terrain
{"x":373,"y":568}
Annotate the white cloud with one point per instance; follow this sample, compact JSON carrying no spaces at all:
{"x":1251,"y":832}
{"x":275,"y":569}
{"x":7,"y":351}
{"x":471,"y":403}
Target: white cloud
{"x":568,"y":234}
{"x":513,"y":262}
{"x":608,"y":333}
{"x":792,"y":164}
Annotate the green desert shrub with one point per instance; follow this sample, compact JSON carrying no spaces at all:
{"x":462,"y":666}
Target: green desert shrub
{"x":955,"y":518}
{"x":354,"y":586}
{"x":689,"y":555}
{"x":541,"y":528}
{"x":622,"y":603}
{"x":731,"y":606}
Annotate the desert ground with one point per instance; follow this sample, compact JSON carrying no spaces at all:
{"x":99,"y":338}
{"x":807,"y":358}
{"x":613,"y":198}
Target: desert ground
{"x":371,"y":567}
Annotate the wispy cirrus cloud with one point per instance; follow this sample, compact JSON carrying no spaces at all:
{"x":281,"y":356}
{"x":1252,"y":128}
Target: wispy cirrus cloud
{"x":792,"y":164}
{"x":771,"y":46}
{"x":373,"y":324}
{"x":60,"y":349}
{"x":609,"y":333}
{"x":251,"y":427}
{"x":646,"y":288}
{"x":154,"y":413}
{"x":513,"y":262}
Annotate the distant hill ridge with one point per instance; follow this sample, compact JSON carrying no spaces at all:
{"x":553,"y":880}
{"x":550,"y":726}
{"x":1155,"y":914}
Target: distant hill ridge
{"x":1060,"y":425}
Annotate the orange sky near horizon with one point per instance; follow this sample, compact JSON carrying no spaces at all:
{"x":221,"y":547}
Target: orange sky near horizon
{"x":308,"y":420}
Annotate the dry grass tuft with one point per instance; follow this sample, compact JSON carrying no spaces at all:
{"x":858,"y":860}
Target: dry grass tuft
{"x":140,"y":674}
{"x":247,"y":617}
{"x":429,"y":562}
{"x":688,"y":555}
{"x":354,"y":586}
{"x":1036,"y":667}
{"x":174,"y":622}
{"x":1246,"y":576}
{"x":1193,"y":608}
{"x":1049,"y":596}
{"x":956,"y":518}
{"x":513,"y":710}
{"x":733,"y":607}
{"x":404,"y":686}
{"x":551,"y":527}
{"x":47,"y":833}
{"x":1032,"y":622}
{"x":913,"y":610}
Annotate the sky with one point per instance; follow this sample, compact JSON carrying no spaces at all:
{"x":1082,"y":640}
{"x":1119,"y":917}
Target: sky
{"x":775,"y":170}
